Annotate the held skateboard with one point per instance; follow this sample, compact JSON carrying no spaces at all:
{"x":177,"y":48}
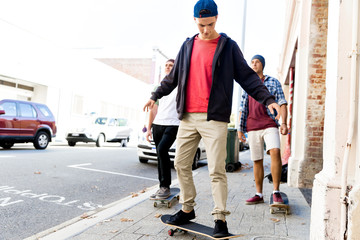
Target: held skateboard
{"x":174,"y":196}
{"x":193,"y":228}
{"x":277,"y":208}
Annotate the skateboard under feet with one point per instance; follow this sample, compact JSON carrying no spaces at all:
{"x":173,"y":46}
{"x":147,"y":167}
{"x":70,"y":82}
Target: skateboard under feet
{"x":169,"y":201}
{"x":280,"y":208}
{"x":193,"y":228}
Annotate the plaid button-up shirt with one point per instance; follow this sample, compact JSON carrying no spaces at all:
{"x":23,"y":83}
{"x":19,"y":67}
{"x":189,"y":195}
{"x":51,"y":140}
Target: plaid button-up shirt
{"x":275,"y":89}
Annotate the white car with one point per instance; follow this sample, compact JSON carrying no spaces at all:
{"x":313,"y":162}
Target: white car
{"x":147,"y":151}
{"x":101,"y":130}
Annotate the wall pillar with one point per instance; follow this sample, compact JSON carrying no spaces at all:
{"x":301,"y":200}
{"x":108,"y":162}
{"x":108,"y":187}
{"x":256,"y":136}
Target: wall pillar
{"x":309,"y":103}
{"x":326,"y":206}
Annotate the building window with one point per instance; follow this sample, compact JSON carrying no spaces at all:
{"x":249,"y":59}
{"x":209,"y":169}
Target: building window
{"x":6,"y":83}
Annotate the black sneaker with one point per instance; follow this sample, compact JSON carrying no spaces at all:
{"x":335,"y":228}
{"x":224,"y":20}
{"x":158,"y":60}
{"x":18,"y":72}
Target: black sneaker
{"x":181,"y":218}
{"x":220,"y":229}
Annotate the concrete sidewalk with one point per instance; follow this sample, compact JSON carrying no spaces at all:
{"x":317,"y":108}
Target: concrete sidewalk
{"x":137,"y":218}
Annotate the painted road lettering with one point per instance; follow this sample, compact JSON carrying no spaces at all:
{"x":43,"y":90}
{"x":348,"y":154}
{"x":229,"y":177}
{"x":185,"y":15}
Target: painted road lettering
{"x":4,"y":202}
{"x":44,"y":197}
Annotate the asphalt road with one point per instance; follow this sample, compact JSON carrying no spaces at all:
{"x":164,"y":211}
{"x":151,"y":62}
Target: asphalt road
{"x":40,"y":189}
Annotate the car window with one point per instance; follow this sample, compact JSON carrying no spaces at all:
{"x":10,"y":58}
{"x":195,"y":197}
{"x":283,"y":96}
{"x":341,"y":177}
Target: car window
{"x":112,"y":122}
{"x":26,"y":110}
{"x":122,"y":122}
{"x":100,"y":121}
{"x":9,"y":108}
{"x":44,"y":110}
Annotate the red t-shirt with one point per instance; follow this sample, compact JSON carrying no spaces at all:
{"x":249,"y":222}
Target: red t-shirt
{"x":258,"y":118}
{"x":200,"y":75}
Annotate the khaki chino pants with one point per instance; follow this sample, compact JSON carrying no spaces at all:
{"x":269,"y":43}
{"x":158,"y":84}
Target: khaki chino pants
{"x":192,"y":128}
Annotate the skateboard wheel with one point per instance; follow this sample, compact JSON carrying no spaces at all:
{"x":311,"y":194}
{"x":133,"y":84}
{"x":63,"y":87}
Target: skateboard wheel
{"x":171,"y":232}
{"x":272,"y":211}
{"x":287,"y":212}
{"x":169,"y":205}
{"x":155,"y":204}
{"x":178,"y":198}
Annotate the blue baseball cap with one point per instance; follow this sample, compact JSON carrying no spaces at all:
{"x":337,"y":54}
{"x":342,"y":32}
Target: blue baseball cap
{"x":205,"y":8}
{"x":260,"y":58}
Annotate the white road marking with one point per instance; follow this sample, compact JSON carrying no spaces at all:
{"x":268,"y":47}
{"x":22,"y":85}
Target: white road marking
{"x":80,"y":166}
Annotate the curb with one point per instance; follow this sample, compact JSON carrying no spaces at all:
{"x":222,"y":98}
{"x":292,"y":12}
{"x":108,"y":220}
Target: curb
{"x":79,"y":224}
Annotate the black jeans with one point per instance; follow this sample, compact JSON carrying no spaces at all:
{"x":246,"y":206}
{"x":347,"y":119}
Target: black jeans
{"x":164,"y":137}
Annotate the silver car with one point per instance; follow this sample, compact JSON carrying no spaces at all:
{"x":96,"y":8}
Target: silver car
{"x":147,"y":151}
{"x":101,"y":130}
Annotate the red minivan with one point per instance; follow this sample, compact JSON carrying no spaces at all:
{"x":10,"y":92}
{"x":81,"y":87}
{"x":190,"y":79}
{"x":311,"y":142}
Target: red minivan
{"x":23,"y":121}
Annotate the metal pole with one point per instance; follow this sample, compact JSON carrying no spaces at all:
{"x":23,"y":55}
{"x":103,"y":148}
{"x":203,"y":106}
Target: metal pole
{"x":243,"y":26}
{"x":242,"y":47}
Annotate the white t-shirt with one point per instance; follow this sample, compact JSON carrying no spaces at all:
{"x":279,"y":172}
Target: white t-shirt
{"x":167,"y":114}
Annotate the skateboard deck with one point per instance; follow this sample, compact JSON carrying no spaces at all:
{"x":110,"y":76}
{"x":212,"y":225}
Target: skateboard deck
{"x":169,"y":201}
{"x":280,"y":208}
{"x":193,"y":228}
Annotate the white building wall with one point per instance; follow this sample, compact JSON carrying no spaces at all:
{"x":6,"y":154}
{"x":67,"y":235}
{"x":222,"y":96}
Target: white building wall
{"x":8,"y":92}
{"x":354,"y":167}
{"x":41,"y":94}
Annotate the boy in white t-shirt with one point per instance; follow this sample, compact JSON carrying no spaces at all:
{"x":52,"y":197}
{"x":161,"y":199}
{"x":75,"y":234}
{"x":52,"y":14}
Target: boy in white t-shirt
{"x":164,"y":122}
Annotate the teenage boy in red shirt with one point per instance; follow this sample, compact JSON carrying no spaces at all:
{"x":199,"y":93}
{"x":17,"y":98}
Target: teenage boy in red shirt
{"x":204,"y":73}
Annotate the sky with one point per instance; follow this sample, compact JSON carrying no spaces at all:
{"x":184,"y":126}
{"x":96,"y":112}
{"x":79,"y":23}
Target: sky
{"x":132,"y":28}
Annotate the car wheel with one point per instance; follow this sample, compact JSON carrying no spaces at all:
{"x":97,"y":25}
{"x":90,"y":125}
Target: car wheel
{"x":143,"y":160}
{"x":195,"y":164}
{"x":41,"y":140}
{"x":123,"y":143}
{"x":100,"y":140}
{"x":71,"y":144}
{"x":7,"y":145}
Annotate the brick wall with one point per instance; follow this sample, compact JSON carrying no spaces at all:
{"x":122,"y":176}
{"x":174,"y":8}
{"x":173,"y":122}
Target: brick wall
{"x":316,"y":92}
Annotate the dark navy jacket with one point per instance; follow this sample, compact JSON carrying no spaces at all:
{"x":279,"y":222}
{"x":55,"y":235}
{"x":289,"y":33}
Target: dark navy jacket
{"x":228,"y":65}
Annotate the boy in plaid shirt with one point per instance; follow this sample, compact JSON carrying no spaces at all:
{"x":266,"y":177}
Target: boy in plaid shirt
{"x":261,"y":127}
